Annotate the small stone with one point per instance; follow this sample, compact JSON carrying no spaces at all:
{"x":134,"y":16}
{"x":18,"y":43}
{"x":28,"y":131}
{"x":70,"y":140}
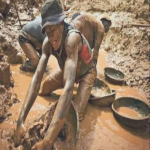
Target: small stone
{"x":135,"y":83}
{"x":146,"y":67}
{"x":128,"y":82}
{"x":132,"y":67}
{"x":108,"y":48}
{"x":140,"y":82}
{"x":137,"y":78}
{"x":140,"y":74}
{"x":132,"y":80}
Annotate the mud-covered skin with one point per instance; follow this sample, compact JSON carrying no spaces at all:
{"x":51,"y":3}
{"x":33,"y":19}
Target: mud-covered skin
{"x":93,"y":30}
{"x":73,"y":46}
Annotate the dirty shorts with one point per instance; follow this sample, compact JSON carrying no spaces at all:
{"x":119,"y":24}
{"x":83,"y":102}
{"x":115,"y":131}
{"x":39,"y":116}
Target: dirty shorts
{"x":55,"y":81}
{"x":29,"y":39}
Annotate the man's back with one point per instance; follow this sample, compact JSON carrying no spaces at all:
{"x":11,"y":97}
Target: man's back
{"x":89,"y":26}
{"x":33,"y":28}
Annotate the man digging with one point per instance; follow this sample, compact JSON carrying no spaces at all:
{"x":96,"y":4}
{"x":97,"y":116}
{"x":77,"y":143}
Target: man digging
{"x":75,"y":60}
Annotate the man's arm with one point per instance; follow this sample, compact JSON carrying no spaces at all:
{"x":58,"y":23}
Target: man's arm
{"x":99,"y":34}
{"x":59,"y":118}
{"x":33,"y":90}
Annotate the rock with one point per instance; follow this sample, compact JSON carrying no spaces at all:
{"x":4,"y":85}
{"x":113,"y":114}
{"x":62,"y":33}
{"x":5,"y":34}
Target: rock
{"x":140,"y":82}
{"x":134,"y":83}
{"x":132,"y":80}
{"x":140,"y":74}
{"x":128,"y":82}
{"x":108,"y":48}
{"x":137,"y":78}
{"x":146,"y":66}
{"x":132,"y":67}
{"x":146,"y":75}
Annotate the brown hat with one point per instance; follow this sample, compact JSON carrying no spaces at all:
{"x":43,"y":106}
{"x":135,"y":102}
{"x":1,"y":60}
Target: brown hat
{"x":52,"y":13}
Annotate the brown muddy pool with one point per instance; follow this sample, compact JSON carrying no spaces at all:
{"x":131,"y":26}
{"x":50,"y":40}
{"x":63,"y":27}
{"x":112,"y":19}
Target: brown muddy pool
{"x":129,"y":112}
{"x":99,"y":129}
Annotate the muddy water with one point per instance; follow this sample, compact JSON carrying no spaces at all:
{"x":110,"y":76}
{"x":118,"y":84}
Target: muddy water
{"x":128,"y":112}
{"x":99,"y":130}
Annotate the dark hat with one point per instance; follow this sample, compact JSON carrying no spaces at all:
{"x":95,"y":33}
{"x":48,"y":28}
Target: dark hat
{"x":52,"y":13}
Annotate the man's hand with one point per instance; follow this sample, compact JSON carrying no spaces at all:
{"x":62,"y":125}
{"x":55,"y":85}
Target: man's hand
{"x":20,"y":131}
{"x":42,"y":145}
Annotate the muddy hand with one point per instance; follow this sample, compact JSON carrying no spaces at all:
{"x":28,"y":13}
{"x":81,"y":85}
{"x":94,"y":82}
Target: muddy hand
{"x":42,"y":145}
{"x":19,"y":135}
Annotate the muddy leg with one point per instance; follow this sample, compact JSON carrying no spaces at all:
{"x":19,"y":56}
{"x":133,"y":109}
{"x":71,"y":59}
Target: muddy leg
{"x":52,"y":82}
{"x":83,"y":93}
{"x":29,"y":50}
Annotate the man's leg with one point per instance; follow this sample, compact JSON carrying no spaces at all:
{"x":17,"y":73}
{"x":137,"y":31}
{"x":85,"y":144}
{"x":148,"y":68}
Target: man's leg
{"x":84,"y":91}
{"x":51,"y":83}
{"x":29,"y":50}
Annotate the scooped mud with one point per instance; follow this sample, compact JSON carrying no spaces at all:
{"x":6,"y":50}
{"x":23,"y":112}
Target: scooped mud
{"x":37,"y":129}
{"x":98,"y":92}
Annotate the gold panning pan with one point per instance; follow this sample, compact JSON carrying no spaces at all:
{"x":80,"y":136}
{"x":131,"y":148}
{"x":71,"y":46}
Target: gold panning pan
{"x":113,"y":75}
{"x":101,"y":94}
{"x":131,"y":111}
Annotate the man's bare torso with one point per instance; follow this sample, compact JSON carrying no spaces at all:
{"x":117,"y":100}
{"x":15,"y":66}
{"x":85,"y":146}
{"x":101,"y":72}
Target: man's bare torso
{"x":89,"y":26}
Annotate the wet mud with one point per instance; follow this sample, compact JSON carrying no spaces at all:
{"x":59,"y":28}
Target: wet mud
{"x":127,"y":50}
{"x":36,"y":129}
{"x":7,"y":95}
{"x":98,"y":128}
{"x":129,"y":112}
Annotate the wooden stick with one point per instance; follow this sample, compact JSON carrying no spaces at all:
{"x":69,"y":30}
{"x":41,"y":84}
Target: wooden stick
{"x":140,"y":25}
{"x":17,"y":14}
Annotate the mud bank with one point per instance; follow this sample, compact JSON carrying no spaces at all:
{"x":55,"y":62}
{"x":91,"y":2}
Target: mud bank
{"x":7,"y":95}
{"x":8,"y":43}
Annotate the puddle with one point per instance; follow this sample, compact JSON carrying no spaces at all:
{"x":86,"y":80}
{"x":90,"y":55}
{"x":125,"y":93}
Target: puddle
{"x":128,"y":112}
{"x":99,"y":130}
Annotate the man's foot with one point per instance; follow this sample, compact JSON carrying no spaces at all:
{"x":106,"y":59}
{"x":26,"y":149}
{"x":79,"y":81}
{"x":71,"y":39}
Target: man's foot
{"x":27,"y":67}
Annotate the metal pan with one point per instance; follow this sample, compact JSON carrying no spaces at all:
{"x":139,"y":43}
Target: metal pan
{"x":138,"y":106}
{"x":113,"y":75}
{"x":101,"y":94}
